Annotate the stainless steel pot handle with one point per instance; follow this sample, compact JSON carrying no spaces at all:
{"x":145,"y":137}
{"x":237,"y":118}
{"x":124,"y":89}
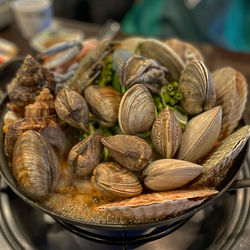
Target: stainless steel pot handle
{"x":237,"y":184}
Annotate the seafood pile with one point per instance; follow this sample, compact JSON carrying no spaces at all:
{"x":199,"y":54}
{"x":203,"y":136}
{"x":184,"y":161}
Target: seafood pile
{"x":131,"y":131}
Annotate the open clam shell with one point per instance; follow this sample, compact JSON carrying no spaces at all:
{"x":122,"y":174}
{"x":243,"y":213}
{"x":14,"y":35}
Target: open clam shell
{"x":186,"y":51}
{"x":156,"y":205}
{"x":164,"y":55}
{"x":136,"y":111}
{"x":218,"y":162}
{"x":231,"y":94}
{"x":166,"y":133}
{"x":169,"y":174}
{"x":130,"y":151}
{"x":200,"y":135}
{"x":197,"y":88}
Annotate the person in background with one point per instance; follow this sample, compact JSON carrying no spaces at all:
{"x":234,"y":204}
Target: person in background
{"x":224,"y":23}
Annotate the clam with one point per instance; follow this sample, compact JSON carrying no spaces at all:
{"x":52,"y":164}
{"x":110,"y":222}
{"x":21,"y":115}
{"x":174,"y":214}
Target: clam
{"x":86,"y":155}
{"x":231,"y":93}
{"x":72,"y":108}
{"x":169,"y":174}
{"x":218,"y":162}
{"x":136,"y":111}
{"x":196,"y":86}
{"x":115,"y":181}
{"x":138,"y":69}
{"x":43,"y":106}
{"x":29,"y":81}
{"x":104,"y":103}
{"x":186,"y":51}
{"x":166,"y":133}
{"x":200,"y":135}
{"x":158,"y":205}
{"x":164,"y":55}
{"x":35,"y":165}
{"x":130,"y":151}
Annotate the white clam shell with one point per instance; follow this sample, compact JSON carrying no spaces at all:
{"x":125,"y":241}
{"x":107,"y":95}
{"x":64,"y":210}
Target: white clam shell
{"x":200,"y":135}
{"x":157,"y":205}
{"x":169,"y":174}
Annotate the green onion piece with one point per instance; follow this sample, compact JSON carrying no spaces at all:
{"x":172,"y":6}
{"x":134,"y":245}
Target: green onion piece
{"x":123,"y":89}
{"x":106,"y":153}
{"x":116,"y":83}
{"x":175,"y":85}
{"x":170,"y":87}
{"x":156,"y":112}
{"x":167,"y":97}
{"x":172,"y":102}
{"x":178,"y":96}
{"x":163,"y":101}
{"x":172,"y":93}
{"x":91,"y":129}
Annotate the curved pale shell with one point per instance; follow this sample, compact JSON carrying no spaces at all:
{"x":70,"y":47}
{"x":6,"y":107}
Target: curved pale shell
{"x":218,"y":162}
{"x":130,"y":151}
{"x":197,"y":88}
{"x":186,"y":51}
{"x":200,"y":135}
{"x":86,"y":154}
{"x":72,"y":108}
{"x":136,"y":111}
{"x":155,"y":205}
{"x":167,"y":174}
{"x":113,"y":180}
{"x":164,"y":55}
{"x":166,"y":133}
{"x":44,"y":105}
{"x":131,"y":44}
{"x":104,"y":102}
{"x":35,"y":165}
{"x":231,"y":93}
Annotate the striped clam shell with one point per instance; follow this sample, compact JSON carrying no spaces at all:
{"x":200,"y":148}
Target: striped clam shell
{"x":136,"y":111}
{"x":184,"y":50}
{"x":166,"y":133}
{"x":155,"y":205}
{"x":231,"y":92}
{"x":197,"y":88}
{"x":218,"y":162}
{"x":200,"y":135}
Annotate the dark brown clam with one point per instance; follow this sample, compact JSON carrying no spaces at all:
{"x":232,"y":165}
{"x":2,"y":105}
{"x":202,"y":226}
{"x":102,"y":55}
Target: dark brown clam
{"x":86,"y":155}
{"x":104,"y":102}
{"x":30,"y":79}
{"x":130,"y":151}
{"x":72,"y":108}
{"x":35,"y":165}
